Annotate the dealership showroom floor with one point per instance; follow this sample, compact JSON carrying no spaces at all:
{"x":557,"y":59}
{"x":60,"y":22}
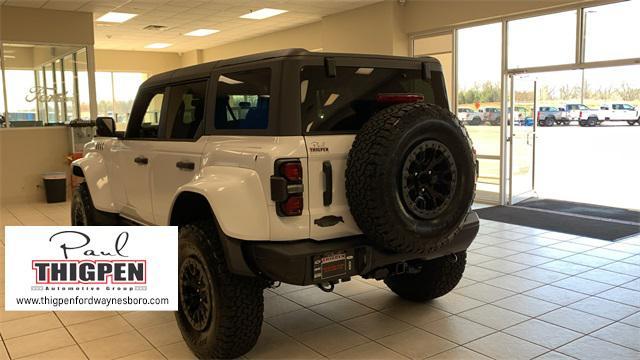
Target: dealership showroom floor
{"x":525,"y":294}
{"x":273,"y":111}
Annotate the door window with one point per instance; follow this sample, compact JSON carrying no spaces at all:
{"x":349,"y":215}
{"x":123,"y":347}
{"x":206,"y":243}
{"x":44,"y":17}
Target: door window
{"x":186,"y":110}
{"x":146,"y":115}
{"x":242,"y":100}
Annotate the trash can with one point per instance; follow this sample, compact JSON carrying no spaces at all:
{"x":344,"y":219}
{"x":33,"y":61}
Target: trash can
{"x":55,"y":186}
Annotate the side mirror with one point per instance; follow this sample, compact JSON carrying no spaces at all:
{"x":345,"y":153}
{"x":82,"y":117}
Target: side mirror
{"x":105,"y":126}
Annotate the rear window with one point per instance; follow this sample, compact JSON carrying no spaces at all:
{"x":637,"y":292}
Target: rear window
{"x":344,"y":103}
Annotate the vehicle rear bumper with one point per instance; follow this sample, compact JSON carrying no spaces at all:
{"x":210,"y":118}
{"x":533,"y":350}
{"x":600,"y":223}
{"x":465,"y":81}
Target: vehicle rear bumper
{"x":299,"y":262}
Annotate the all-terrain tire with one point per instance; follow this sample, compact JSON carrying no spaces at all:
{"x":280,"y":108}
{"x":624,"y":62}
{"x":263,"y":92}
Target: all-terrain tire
{"x":376,"y":182}
{"x":232,"y":326}
{"x":436,"y":278}
{"x":83,"y":213}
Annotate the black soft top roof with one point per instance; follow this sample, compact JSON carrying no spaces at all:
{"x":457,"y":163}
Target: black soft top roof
{"x":206,"y":68}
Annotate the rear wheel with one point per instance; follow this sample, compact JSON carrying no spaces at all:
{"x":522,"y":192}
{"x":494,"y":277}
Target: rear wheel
{"x":631,"y":122}
{"x":436,"y":278}
{"x":219,"y":313}
{"x":549,"y":121}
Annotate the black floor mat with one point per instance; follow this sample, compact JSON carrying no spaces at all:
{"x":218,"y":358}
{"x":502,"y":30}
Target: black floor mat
{"x":603,"y":212}
{"x":579,"y":226}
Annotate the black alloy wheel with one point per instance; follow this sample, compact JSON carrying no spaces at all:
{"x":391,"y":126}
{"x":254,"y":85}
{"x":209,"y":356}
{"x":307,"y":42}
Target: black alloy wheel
{"x":196,"y":294}
{"x":428,"y":179}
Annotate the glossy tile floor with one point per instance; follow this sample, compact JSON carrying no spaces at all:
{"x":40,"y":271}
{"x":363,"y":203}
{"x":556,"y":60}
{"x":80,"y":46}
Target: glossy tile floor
{"x":526,"y":293}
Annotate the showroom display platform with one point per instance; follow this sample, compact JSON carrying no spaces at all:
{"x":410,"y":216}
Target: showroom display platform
{"x":587,"y":226}
{"x":520,"y":286}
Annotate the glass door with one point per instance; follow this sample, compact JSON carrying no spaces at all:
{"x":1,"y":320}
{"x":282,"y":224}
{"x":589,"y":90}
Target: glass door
{"x":521,"y":137}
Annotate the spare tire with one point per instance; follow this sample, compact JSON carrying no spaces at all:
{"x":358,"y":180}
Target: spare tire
{"x":410,"y":178}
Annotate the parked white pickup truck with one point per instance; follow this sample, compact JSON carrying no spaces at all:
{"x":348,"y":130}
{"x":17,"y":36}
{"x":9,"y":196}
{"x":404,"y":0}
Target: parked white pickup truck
{"x":470,"y":116}
{"x":582,"y":114}
{"x":619,"y":112}
{"x":607,"y":112}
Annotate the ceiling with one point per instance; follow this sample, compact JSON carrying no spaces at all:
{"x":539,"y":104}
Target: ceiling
{"x":182,"y":16}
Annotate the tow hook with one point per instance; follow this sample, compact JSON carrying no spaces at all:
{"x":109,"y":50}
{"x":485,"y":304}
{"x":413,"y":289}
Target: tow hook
{"x":453,"y":258}
{"x":275,"y":285}
{"x":326,"y":286}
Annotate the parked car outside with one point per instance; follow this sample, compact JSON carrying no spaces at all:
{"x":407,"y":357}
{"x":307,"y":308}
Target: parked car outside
{"x":551,"y":115}
{"x":492,"y":115}
{"x":582,"y":114}
{"x":619,"y":112}
{"x":470,"y":116}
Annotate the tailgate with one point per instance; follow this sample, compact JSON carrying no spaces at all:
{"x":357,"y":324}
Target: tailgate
{"x":328,"y":207}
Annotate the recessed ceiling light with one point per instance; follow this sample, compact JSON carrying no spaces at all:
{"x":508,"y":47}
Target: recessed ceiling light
{"x":263,"y":14}
{"x":116,"y":17}
{"x":202,"y":32}
{"x":158,"y":46}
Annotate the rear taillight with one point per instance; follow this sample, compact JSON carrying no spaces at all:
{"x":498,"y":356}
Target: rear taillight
{"x":292,"y":206}
{"x":538,"y":115}
{"x":580,"y":116}
{"x":399,"y":98}
{"x":292,"y":171}
{"x":286,"y":187}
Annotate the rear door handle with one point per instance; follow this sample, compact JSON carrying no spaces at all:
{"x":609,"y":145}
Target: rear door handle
{"x":141,"y":160}
{"x":327,"y":196}
{"x":185,"y":165}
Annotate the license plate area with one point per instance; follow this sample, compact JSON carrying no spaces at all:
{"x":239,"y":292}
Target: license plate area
{"x":337,"y":264}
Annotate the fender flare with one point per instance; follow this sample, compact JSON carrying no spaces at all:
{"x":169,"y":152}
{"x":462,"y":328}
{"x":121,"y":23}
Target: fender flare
{"x":94,"y":171}
{"x":237,"y":199}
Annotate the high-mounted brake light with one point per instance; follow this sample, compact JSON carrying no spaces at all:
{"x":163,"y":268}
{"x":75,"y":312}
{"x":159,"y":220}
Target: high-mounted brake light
{"x":287,"y":187}
{"x":399,"y":98}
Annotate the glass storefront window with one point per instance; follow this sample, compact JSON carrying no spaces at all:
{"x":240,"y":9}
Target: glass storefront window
{"x":117,"y":104}
{"x":127,"y":84}
{"x":70,"y":85}
{"x":609,"y":31}
{"x":21,"y":104}
{"x":83,"y":84}
{"x":104,"y":94}
{"x":479,"y":58}
{"x":542,"y":40}
{"x":41,"y":84}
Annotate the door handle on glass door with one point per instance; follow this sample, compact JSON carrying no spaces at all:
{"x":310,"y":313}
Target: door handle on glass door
{"x":141,"y":160}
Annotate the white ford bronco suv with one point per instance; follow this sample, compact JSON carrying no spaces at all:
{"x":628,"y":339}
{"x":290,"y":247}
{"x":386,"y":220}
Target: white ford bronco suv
{"x":288,"y":166}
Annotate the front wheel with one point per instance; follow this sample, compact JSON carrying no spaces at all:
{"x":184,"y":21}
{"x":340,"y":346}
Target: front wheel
{"x":219,"y":313}
{"x":632,"y":122}
{"x":436,"y":278}
{"x":83,"y":213}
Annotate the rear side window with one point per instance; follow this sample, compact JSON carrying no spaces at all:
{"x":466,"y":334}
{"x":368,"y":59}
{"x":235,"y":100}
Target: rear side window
{"x":242,"y":100}
{"x":344,"y":103}
{"x":186,"y":110}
